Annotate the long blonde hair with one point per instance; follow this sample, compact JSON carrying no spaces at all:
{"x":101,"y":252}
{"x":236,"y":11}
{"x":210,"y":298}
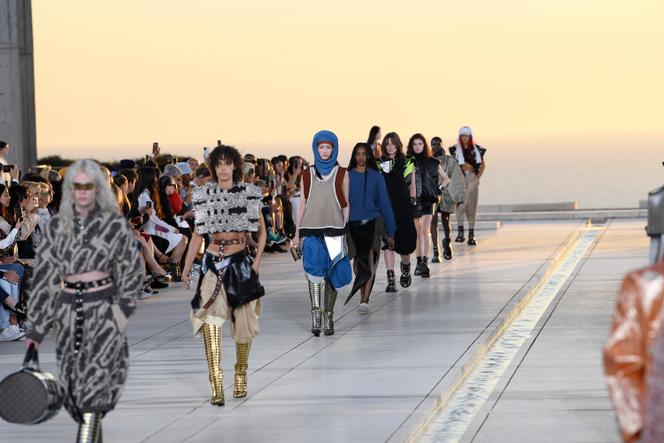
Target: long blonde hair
{"x":106,"y":201}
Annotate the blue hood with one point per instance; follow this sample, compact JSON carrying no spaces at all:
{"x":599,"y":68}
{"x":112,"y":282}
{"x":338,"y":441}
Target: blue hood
{"x":324,"y":167}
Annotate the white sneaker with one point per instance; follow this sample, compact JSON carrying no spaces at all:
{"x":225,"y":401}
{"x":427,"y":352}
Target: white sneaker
{"x":364,"y":308}
{"x":144,"y":295}
{"x":11,"y":333}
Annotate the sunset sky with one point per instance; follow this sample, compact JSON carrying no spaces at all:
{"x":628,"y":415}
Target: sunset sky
{"x":114,"y":75}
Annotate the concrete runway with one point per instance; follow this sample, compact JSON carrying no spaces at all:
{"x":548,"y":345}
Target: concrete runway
{"x":380,"y":376}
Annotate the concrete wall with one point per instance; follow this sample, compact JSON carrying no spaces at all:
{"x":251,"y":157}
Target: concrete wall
{"x":17,"y":84}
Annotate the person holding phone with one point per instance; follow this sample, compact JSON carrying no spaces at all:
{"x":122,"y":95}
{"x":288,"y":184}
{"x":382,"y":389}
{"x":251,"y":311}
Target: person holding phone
{"x":22,"y":204}
{"x":228,"y":287}
{"x":170,"y":244}
{"x":11,"y":272}
{"x":87,"y":277}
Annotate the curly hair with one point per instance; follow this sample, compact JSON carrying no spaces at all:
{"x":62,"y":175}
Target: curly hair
{"x":226,"y":154}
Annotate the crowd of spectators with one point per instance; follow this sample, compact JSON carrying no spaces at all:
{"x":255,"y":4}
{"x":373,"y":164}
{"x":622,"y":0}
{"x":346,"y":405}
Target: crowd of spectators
{"x":154,"y":193}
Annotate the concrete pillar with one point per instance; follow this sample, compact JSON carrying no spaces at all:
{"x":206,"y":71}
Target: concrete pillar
{"x":17,"y":82}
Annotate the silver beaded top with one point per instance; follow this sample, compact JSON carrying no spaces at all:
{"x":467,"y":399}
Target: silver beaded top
{"x":233,"y":210}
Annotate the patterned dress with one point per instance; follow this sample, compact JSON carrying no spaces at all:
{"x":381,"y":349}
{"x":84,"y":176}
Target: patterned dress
{"x":92,"y":377}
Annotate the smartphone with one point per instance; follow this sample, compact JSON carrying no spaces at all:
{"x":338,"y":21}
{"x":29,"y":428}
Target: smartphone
{"x":147,"y":158}
{"x":175,"y":160}
{"x":218,"y":142}
{"x":205,"y":153}
{"x":7,"y":168}
{"x":155,"y":146}
{"x":18,"y":213}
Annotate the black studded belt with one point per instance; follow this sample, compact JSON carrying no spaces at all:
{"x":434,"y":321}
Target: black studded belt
{"x":85,"y":285}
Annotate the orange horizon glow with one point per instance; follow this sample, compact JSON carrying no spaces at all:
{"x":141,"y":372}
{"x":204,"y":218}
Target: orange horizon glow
{"x":263,"y":74}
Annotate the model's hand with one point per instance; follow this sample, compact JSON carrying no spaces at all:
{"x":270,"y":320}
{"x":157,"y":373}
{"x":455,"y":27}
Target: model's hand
{"x":390,"y":243}
{"x":255,"y":266}
{"x":29,"y":343}
{"x":11,"y":277}
{"x":295,"y":243}
{"x":185,"y":277}
{"x":8,"y":260}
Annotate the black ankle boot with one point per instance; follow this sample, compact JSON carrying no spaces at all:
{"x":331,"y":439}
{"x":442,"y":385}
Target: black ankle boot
{"x":424,"y":272}
{"x":436,"y":255}
{"x":174,"y":270}
{"x":460,"y":238}
{"x":447,"y":249}
{"x":405,"y":279}
{"x":418,"y":266}
{"x":391,"y":282}
{"x":471,"y":237}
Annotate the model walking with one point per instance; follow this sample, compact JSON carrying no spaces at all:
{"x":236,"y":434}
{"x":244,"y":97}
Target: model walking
{"x":90,"y":250}
{"x":430,"y":180}
{"x":453,"y":195}
{"x":471,"y":159}
{"x":399,"y":174}
{"x":368,"y":202}
{"x":321,"y":226}
{"x":226,"y":210}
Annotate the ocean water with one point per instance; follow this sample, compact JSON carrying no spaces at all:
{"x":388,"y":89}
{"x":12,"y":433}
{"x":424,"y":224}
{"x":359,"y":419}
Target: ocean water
{"x":595,"y":171}
{"x":603,"y":174}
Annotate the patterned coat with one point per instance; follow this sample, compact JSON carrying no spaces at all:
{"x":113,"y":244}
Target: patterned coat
{"x":93,"y":364}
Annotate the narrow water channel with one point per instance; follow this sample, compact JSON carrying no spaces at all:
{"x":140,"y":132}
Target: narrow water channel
{"x":457,"y":414}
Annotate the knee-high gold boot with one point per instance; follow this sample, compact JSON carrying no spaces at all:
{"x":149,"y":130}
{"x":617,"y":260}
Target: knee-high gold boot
{"x":90,"y":430}
{"x":242,"y":353}
{"x":212,"y":339}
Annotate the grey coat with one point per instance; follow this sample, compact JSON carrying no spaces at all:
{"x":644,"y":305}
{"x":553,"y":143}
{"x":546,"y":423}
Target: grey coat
{"x":455,"y":192}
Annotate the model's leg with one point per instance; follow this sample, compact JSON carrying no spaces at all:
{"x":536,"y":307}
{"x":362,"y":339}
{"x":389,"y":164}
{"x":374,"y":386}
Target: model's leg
{"x":447,"y":242}
{"x":472,"y":198}
{"x":366,"y":287}
{"x":423,"y":241}
{"x":89,"y":431}
{"x":435,"y":258}
{"x":315,"y":290}
{"x":389,"y":264}
{"x":405,"y":280}
{"x":241,"y":366}
{"x":328,"y":314}
{"x":212,"y":340}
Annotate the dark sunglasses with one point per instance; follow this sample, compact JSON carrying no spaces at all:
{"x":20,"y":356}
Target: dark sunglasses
{"x":83,"y":186}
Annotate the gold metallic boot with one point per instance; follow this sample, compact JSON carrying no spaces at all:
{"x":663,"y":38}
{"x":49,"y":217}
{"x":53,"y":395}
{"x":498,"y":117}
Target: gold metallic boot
{"x":242,"y":353}
{"x":90,"y":430}
{"x":328,"y":313}
{"x":212,"y":339}
{"x":314,"y":295}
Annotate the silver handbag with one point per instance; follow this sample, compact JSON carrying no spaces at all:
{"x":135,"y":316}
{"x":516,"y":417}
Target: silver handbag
{"x":30,"y":396}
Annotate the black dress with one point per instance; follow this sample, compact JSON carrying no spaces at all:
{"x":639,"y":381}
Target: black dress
{"x":397,"y":174}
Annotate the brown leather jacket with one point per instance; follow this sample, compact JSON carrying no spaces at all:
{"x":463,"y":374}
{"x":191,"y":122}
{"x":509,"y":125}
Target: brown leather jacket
{"x":626,"y":353}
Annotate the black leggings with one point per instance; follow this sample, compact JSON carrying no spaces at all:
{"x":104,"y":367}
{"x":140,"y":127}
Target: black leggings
{"x":445,"y":221}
